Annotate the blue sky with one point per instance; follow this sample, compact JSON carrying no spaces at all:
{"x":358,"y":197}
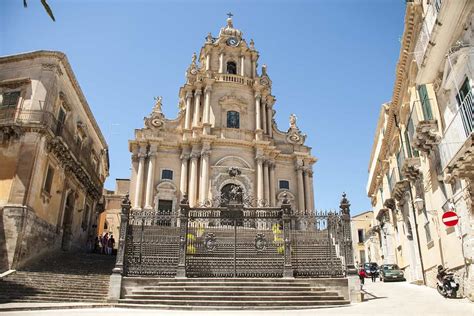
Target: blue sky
{"x":332,"y":63}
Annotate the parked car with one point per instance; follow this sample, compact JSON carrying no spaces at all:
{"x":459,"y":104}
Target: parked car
{"x":369,"y":267}
{"x":391,"y":272}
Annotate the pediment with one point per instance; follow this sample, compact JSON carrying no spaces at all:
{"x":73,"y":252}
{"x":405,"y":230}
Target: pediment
{"x":233,"y":161}
{"x":233,"y":102}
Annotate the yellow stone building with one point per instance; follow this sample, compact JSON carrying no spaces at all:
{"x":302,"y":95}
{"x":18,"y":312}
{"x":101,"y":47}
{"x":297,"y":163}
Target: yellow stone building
{"x":422,"y":160}
{"x":224,"y":138}
{"x":53,"y":158}
{"x":360,"y":228}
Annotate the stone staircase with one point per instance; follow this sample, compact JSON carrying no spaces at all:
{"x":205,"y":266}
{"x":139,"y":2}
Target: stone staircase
{"x":60,"y":277}
{"x":227,"y":294}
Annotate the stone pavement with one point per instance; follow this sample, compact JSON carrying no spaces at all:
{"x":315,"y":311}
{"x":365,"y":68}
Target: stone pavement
{"x":398,"y":298}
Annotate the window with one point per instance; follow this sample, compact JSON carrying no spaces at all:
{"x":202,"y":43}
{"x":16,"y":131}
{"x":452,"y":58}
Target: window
{"x":464,"y":98}
{"x":167,"y":174}
{"x":425,"y":102}
{"x":231,"y":68}
{"x":233,"y":119}
{"x":284,"y":184}
{"x":409,"y":135}
{"x":49,"y":180}
{"x":360,"y":234}
{"x":61,"y":119}
{"x":428,"y":233}
{"x":9,"y":99}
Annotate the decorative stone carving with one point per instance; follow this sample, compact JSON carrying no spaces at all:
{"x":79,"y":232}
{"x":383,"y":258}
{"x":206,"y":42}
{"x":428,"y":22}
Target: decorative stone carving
{"x":10,"y":132}
{"x":53,"y":67}
{"x":294,"y":134}
{"x":233,"y":102}
{"x":234,"y":171}
{"x":156,"y":120}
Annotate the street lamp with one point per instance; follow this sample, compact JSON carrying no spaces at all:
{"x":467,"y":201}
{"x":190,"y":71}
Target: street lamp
{"x":419,"y":204}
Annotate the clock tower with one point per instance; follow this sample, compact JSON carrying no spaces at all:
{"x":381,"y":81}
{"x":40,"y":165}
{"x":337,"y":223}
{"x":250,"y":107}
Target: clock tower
{"x":224,"y":138}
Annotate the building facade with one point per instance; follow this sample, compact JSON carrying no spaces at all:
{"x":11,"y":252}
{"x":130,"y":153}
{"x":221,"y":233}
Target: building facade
{"x":54,"y":159}
{"x":422,"y":159}
{"x":109,"y":219}
{"x":224,"y":139}
{"x":360,"y":227}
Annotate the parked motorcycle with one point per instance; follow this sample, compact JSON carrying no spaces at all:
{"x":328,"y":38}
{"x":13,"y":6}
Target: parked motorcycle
{"x":446,"y":286}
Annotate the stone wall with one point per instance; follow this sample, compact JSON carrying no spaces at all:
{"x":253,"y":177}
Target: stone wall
{"x":24,"y":236}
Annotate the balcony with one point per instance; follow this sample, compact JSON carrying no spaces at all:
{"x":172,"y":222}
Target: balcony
{"x":426,"y":135}
{"x":234,"y":79}
{"x":397,"y":185}
{"x":429,"y":21}
{"x":411,"y":169}
{"x":457,"y":144}
{"x":63,"y":142}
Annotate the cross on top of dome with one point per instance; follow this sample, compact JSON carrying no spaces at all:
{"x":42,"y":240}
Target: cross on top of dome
{"x":229,"y":29}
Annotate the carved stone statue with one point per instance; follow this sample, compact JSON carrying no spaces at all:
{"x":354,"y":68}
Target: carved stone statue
{"x":293,"y":119}
{"x":157,"y":107}
{"x":193,"y":59}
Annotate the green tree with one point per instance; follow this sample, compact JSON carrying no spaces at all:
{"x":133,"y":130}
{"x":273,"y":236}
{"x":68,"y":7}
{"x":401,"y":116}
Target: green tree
{"x":46,"y":7}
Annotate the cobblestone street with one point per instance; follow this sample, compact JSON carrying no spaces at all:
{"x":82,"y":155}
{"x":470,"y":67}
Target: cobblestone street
{"x":398,"y":298}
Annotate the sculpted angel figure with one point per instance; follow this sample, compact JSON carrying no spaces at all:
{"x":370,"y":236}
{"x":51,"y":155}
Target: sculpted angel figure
{"x":293,"y":121}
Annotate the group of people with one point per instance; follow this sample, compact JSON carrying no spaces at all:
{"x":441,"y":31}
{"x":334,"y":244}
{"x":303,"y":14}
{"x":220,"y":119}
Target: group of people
{"x":101,"y":244}
{"x":372,"y":273}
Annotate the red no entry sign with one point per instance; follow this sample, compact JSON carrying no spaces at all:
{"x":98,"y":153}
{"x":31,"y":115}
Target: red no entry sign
{"x":450,"y":218}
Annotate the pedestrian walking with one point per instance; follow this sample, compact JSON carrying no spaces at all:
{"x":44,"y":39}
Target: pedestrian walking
{"x":110,"y":244}
{"x":373,"y":273}
{"x":105,"y":240}
{"x":362,"y":276}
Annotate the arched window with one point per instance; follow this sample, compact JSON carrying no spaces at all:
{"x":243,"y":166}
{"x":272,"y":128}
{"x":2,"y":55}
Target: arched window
{"x":231,"y":68}
{"x":233,"y":119}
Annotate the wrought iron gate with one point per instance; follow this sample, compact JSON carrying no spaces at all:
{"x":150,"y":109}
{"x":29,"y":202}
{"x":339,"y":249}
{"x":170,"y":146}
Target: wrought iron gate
{"x":234,"y":241}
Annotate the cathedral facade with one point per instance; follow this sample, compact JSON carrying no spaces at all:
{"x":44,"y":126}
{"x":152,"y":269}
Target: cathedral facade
{"x":224,"y":138}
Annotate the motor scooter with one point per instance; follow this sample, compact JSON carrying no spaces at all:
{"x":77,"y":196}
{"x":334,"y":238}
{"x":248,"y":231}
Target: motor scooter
{"x":446,"y":285}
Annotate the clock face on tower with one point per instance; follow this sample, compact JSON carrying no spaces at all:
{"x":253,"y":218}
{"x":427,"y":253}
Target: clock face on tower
{"x":232,"y":41}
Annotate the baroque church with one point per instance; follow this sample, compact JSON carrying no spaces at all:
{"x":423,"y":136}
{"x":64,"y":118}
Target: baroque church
{"x":224,"y":138}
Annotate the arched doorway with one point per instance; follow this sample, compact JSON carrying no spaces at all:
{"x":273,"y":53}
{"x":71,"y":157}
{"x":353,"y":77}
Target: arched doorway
{"x":67,"y":220}
{"x":232,"y":194}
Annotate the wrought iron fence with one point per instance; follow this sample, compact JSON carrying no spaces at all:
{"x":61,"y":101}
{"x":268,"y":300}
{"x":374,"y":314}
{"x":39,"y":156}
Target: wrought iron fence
{"x":234,"y":241}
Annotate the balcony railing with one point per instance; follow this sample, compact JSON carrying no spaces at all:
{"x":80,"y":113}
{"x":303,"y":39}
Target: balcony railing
{"x":46,"y":120}
{"x":426,"y":30}
{"x":458,"y":130}
{"x":234,"y":79}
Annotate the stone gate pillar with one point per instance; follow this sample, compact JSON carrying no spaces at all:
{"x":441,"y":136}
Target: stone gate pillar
{"x":116,"y":277}
{"x":286,"y":217}
{"x":183,"y":236}
{"x":346,"y":235}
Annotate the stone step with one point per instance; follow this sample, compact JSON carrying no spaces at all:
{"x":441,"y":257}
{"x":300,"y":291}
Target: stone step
{"x":235,"y":283}
{"x":228,"y":308}
{"x":224,"y":288}
{"x":59,"y":284}
{"x":243,"y":297}
{"x":62,"y":299}
{"x":230,"y":303}
{"x":275,"y":292}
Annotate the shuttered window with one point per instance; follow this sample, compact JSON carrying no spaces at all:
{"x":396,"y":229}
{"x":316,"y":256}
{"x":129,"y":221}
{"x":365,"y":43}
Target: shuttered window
{"x":425,"y":102}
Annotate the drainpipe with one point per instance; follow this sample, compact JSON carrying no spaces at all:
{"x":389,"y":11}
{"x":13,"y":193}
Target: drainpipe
{"x":414,"y":210}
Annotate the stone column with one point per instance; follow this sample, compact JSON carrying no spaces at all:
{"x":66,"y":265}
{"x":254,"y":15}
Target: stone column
{"x":183,"y":183}
{"x":257,"y":112}
{"x":253,"y":68}
{"x":193,"y":178}
{"x":299,"y":179}
{"x":204,"y":179}
{"x":307,"y":193}
{"x":266,"y":182}
{"x":264,"y":115}
{"x":311,"y":192}
{"x":269,"y":121}
{"x":139,"y":181}
{"x":207,"y":105}
{"x":150,"y":178}
{"x":197,"y":107}
{"x":187,"y":120}
{"x":259,"y":160}
{"x":221,"y":63}
{"x":208,"y":61}
{"x":242,"y":65}
{"x":272,"y":184}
